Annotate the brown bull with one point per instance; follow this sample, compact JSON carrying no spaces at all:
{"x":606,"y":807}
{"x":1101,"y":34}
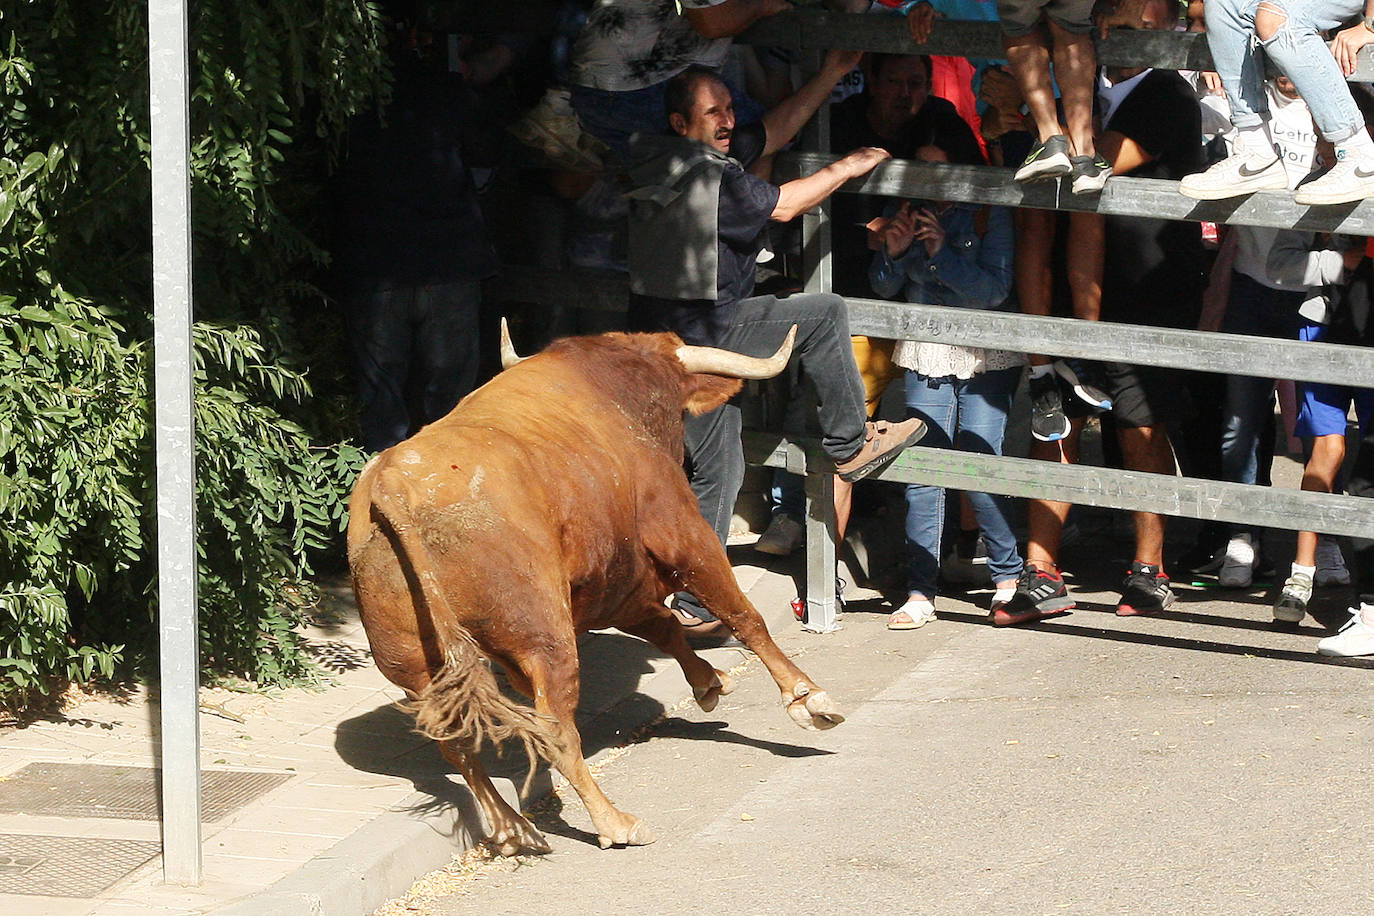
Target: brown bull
{"x":551,"y":501}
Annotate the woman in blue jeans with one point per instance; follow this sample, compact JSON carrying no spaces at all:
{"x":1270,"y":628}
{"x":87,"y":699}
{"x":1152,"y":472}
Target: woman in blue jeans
{"x":940,"y":253}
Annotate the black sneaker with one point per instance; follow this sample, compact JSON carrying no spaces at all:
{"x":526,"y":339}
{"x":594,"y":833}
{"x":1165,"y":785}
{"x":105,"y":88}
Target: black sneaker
{"x":1048,"y":423}
{"x":1076,"y":375}
{"x":1049,"y":159}
{"x":1090,"y":173}
{"x":1039,"y":594}
{"x":1145,"y":591}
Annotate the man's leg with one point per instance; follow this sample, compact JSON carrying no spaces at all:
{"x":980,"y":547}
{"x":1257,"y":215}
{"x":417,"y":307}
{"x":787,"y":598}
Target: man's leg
{"x":446,"y":343}
{"x":1029,"y":56}
{"x":379,"y":329}
{"x":1357,"y":636}
{"x":715,"y":469}
{"x":1147,"y":448}
{"x":1075,"y":68}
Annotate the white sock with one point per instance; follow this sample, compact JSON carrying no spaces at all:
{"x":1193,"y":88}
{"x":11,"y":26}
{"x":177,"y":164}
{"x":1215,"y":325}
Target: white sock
{"x":1308,"y":571}
{"x":1038,"y":371}
{"x":1256,"y":141}
{"x":1358,"y":145}
{"x":1003,"y":594}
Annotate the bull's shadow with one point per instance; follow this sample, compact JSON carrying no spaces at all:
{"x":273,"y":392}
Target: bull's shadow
{"x":612,"y":713}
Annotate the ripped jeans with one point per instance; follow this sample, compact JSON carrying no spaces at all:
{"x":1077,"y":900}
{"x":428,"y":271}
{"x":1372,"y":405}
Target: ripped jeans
{"x":1297,"y":49}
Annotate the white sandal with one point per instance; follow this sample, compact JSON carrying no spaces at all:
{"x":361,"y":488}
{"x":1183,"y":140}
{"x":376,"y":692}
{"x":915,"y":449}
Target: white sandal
{"x":916,"y":613}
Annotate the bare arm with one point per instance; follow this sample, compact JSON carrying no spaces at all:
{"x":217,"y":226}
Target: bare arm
{"x":792,"y":113}
{"x":799,"y":195}
{"x":732,"y":16}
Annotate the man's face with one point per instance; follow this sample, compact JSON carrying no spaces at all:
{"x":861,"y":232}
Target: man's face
{"x":897,"y":91}
{"x":712,"y":118}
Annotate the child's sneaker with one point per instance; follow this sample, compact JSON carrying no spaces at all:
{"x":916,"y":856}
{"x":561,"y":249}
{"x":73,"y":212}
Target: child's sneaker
{"x":1235,"y":175}
{"x":1145,"y":591}
{"x":1355,"y":638}
{"x":1090,"y":173}
{"x":1331,"y":568}
{"x":1350,"y":179}
{"x":1049,"y":159}
{"x":1048,"y":423}
{"x":1291,"y":606}
{"x":1074,"y":373}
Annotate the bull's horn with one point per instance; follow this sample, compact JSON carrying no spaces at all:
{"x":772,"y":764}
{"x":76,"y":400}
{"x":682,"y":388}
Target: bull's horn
{"x":737,"y":365}
{"x":508,"y":355}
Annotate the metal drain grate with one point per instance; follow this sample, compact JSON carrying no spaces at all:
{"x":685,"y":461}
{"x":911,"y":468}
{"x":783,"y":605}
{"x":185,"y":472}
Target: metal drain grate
{"x":62,"y":866}
{"x":126,"y":793}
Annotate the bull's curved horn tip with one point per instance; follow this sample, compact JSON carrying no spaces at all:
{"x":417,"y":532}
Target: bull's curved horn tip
{"x":508,"y":355}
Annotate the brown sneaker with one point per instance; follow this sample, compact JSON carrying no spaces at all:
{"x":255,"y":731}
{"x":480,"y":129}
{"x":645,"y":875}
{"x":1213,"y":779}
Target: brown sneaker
{"x":883,"y":441}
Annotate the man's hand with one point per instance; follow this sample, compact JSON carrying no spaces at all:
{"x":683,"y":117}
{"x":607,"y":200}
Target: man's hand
{"x":899,"y":231}
{"x":863,"y":160}
{"x":1347,"y":46}
{"x":920,"y":19}
{"x":999,"y":90}
{"x":839,"y":61}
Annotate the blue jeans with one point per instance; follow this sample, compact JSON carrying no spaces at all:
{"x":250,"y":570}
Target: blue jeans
{"x":1298,"y":51}
{"x":971,"y":415}
{"x":1260,"y":311}
{"x":422,"y":337}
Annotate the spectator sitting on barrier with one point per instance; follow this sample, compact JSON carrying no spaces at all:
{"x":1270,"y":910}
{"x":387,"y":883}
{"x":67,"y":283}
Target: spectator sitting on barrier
{"x":1155,"y":275}
{"x":1242,"y":34}
{"x":941,"y":253}
{"x":1029,"y":28}
{"x":696,"y":219}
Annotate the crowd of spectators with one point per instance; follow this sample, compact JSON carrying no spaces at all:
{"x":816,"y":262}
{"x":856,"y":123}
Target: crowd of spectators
{"x":640,"y":76}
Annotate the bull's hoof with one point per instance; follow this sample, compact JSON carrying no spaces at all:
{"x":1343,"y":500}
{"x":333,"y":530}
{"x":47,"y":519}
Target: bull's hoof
{"x":634,"y":833}
{"x":707,"y":697}
{"x":815,"y":710}
{"x":518,"y":836}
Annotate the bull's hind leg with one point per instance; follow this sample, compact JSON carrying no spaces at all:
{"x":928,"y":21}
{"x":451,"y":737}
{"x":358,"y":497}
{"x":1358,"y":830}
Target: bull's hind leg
{"x":708,"y":684}
{"x":510,"y":831}
{"x":556,"y":695}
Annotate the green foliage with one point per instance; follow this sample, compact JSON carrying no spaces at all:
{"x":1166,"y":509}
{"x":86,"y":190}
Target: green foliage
{"x":273,"y":82}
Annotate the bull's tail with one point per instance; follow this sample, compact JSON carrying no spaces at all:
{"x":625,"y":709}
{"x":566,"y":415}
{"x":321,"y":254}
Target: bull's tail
{"x":463,"y":703}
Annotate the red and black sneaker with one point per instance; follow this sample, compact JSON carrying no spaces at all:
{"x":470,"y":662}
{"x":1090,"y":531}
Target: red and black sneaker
{"x":1145,"y":591}
{"x":1039,"y":594}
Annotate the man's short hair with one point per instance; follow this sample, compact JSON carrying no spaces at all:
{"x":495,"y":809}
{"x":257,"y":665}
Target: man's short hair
{"x":877,"y":60}
{"x":680,"y":92}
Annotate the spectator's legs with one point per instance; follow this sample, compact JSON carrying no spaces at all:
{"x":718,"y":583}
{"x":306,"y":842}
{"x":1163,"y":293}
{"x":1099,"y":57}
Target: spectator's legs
{"x":1086,"y":253}
{"x":1247,"y":399}
{"x":379,"y":328}
{"x":1029,"y":56}
{"x":1147,"y":449}
{"x":1045,"y":517}
{"x":1362,"y":484}
{"x":934,"y":401}
{"x":1230,"y":30}
{"x":984,"y":404}
{"x":446,"y":344}
{"x":1319,"y":476}
{"x":1075,"y":68}
{"x":825,"y":353}
{"x":1034,"y":276}
{"x":1289,"y":31}
{"x":715,"y":469}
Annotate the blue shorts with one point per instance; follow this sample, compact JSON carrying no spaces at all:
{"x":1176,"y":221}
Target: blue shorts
{"x":1325,"y":407}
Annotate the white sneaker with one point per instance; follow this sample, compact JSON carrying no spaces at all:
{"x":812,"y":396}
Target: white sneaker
{"x":1355,"y":638}
{"x":1350,"y":179}
{"x":1238,"y":568}
{"x":784,"y":535}
{"x":1235,"y":175}
{"x":1330,"y":564}
{"x":916,"y":613}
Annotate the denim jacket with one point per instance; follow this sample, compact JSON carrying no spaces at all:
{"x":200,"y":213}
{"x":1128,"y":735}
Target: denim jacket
{"x":969,"y":271}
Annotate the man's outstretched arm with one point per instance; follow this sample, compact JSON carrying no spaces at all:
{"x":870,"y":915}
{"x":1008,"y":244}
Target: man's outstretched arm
{"x":799,"y":195}
{"x":789,"y":116}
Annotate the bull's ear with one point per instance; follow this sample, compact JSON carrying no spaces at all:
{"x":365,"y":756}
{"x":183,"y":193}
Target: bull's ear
{"x":704,"y":393}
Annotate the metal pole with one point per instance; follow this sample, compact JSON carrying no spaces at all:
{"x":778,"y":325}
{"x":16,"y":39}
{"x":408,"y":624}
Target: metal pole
{"x":174,"y":406}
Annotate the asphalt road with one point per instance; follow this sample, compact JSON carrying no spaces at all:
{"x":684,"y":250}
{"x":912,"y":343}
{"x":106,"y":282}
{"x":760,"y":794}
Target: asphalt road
{"x":1199,"y":762}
